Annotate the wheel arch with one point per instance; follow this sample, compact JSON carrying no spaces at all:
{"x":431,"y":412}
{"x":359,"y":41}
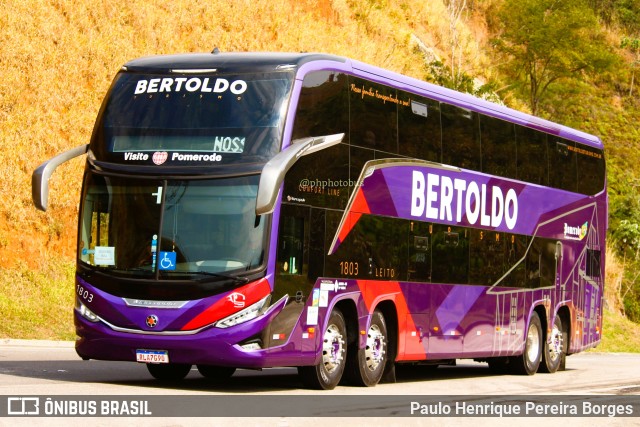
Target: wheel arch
{"x":544,"y":319}
{"x":564,"y":312}
{"x":349,"y":311}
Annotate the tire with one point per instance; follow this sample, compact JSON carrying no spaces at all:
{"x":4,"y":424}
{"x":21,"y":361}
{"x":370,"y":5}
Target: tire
{"x":168,"y":372}
{"x":367,"y":368}
{"x":217,"y":373}
{"x":553,"y":353}
{"x":529,"y":361}
{"x":499,"y":365}
{"x":327,"y":374}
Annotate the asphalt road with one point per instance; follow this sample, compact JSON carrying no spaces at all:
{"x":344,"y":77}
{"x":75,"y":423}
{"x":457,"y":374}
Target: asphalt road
{"x":53,"y":368}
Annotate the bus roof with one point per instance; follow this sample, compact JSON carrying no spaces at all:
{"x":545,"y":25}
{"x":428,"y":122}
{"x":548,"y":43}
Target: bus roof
{"x":303,"y":63}
{"x":222,"y":62}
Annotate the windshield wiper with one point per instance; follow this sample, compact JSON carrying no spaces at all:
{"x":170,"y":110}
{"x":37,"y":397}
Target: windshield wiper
{"x":208,"y":273}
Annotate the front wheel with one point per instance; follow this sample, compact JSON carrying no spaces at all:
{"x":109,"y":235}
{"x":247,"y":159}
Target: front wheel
{"x":216,"y":373}
{"x":529,"y":361}
{"x":553,"y":348}
{"x":371,"y":360}
{"x":327,"y":374}
{"x":169,"y":371}
{"x":499,"y":365}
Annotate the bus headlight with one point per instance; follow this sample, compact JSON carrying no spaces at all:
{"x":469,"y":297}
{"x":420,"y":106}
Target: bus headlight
{"x":245,"y":315}
{"x":88,"y":314}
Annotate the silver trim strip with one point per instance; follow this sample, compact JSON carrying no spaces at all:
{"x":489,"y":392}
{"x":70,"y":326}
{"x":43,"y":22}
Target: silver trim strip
{"x":282,"y":301}
{"x":134,"y":302}
{"x":141,"y":332}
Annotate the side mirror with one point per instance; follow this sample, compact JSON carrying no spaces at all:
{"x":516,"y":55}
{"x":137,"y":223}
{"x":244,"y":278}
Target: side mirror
{"x":40,"y":177}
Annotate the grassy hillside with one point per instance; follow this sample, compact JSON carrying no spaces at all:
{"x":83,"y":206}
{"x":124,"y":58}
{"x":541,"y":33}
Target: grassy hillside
{"x":59,"y":57}
{"x":57,"y":60}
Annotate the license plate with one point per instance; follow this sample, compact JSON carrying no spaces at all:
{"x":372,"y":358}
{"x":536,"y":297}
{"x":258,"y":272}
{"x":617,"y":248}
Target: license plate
{"x":152,"y":356}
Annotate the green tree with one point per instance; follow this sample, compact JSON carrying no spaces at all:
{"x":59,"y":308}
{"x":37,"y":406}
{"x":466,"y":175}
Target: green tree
{"x":543,"y":41}
{"x":627,"y":234}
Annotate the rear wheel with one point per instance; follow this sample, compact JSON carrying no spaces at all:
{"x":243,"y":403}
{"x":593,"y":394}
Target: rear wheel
{"x":215,"y":372}
{"x":553,"y":348}
{"x":169,"y":371}
{"x":372,"y":359}
{"x":327,"y":374}
{"x":529,"y":361}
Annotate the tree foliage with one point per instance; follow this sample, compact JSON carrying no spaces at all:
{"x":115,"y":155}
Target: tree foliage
{"x":625,"y":13}
{"x":543,"y":41}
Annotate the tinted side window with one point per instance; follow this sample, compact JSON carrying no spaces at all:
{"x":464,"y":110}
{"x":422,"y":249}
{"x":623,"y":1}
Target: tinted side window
{"x":419,"y":268}
{"x":376,"y":248}
{"x":293,"y":252}
{"x":563,"y":165}
{"x":419,"y":131}
{"x":450,"y":248}
{"x":514,"y":250}
{"x":498,"y":147}
{"x":320,"y":179}
{"x":593,"y":262}
{"x":532,"y":164}
{"x":460,"y":137}
{"x":323,"y":107}
{"x":591,"y":170}
{"x":486,"y":253}
{"x":541,"y":263}
{"x":380,"y":245}
{"x":316,"y":244}
{"x":374,"y":116}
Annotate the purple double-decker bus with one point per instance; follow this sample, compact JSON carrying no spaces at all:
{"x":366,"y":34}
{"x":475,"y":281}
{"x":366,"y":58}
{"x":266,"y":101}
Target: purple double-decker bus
{"x":308,"y":210}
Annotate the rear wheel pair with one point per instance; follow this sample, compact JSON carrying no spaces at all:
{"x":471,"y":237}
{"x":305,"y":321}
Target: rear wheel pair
{"x":543,"y":355}
{"x":364,"y":368}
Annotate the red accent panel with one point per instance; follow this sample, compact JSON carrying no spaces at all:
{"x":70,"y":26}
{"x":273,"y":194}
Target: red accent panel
{"x":360,"y":203}
{"x":231,"y":302}
{"x":375,"y":291}
{"x":352,"y":219}
{"x":358,"y":207}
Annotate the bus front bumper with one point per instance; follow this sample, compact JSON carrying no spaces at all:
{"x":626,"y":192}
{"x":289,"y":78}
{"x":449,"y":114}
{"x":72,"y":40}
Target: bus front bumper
{"x":212,"y":346}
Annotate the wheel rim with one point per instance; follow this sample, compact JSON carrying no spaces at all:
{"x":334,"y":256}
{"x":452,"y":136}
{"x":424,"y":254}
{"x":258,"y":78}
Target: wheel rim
{"x":533,"y":343}
{"x":332,"y":348}
{"x":555,"y":343}
{"x":375,"y":348}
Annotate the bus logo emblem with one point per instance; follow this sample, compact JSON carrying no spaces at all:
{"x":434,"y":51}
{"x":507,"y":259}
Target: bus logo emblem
{"x":152,"y":321}
{"x":237,"y":299}
{"x":576,"y":233}
{"x":159,"y":157}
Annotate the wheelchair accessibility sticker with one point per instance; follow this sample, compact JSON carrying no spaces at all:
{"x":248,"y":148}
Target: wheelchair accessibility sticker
{"x":167,"y":260}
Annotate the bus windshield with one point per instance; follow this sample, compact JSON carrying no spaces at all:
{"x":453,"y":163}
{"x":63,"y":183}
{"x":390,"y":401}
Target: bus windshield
{"x":192,"y":120}
{"x":170,"y":229}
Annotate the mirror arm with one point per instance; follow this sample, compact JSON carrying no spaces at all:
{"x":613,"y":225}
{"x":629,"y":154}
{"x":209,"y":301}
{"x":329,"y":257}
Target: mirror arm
{"x":40,"y":177}
{"x":274,"y":171}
